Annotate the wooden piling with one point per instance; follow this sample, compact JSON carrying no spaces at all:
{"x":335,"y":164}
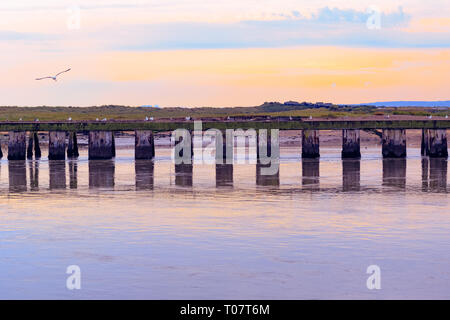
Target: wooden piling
{"x":144,"y":145}
{"x":72,"y":146}
{"x":350,"y":144}
{"x":394,"y":143}
{"x":30,"y":146}
{"x":310,"y":144}
{"x":437,"y":147}
{"x":37,"y":148}
{"x":17,"y":145}
{"x":57,"y":145}
{"x":101,"y":145}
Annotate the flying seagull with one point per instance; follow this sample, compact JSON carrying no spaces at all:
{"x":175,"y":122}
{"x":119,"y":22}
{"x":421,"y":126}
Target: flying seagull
{"x":54,"y":78}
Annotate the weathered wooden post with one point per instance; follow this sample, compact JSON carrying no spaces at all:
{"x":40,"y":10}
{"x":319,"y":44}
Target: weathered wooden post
{"x":30,"y":146}
{"x":310,"y":144}
{"x":424,"y":147}
{"x":17,"y":145}
{"x":57,"y":145}
{"x":1,"y":152}
{"x":37,"y":148}
{"x":350,"y":144}
{"x":394,"y":143}
{"x":437,"y":147}
{"x":144,"y":145}
{"x":101,"y":145}
{"x":224,"y":158}
{"x":72,"y":147}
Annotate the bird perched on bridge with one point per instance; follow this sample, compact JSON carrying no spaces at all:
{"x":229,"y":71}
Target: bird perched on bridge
{"x":54,"y":77}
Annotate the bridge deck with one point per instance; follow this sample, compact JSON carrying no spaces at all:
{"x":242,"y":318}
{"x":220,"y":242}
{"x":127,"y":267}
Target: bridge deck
{"x":282,"y":123}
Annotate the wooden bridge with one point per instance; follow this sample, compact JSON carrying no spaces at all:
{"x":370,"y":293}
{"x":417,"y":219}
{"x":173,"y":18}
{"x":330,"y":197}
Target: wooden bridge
{"x":23,"y":137}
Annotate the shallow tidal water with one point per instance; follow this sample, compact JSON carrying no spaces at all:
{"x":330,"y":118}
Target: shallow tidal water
{"x":140,"y":230}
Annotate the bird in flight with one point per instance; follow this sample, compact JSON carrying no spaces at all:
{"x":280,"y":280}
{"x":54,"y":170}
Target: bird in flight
{"x":54,"y":78}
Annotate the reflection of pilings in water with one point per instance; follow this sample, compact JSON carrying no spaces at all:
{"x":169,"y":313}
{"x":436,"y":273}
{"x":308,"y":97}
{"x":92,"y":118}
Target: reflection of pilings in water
{"x":37,"y":148}
{"x":224,"y":175}
{"x":57,"y":171}
{"x":438,"y":175}
{"x":425,"y":168}
{"x":17,"y":176}
{"x":351,"y":175}
{"x":101,"y":174}
{"x":264,"y":178}
{"x":144,"y":174}
{"x":183,"y":175}
{"x":310,"y":173}
{"x":394,"y":173}
{"x":73,"y":174}
{"x":33,"y":167}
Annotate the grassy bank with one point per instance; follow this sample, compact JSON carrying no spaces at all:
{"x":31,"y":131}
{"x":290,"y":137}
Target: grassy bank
{"x":45,"y":113}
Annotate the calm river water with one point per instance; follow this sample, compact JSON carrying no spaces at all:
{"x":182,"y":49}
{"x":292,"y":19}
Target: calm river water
{"x":147,"y":231}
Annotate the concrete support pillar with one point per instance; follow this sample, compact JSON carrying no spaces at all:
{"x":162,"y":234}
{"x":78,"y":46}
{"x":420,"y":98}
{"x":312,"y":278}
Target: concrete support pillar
{"x":350,"y":144}
{"x":394,"y":143}
{"x":30,"y":146}
{"x":310,"y":144}
{"x":17,"y":145}
{"x":144,"y":145}
{"x":101,"y":145}
{"x":57,"y":145}
{"x":72,"y":146}
{"x":437,"y":147}
{"x":37,"y":148}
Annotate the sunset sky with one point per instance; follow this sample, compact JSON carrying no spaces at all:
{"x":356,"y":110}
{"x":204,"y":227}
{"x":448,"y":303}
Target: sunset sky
{"x":228,"y":53}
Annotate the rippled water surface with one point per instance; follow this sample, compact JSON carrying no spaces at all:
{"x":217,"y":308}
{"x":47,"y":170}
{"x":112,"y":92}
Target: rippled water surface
{"x":144,"y":230}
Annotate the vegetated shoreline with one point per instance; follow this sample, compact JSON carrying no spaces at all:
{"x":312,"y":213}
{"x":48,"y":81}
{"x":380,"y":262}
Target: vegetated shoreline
{"x":274,"y":109}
